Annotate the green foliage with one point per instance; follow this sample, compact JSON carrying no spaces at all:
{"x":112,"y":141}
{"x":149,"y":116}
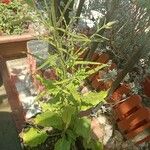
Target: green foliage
{"x":14,"y":17}
{"x":94,"y":145}
{"x":63,"y":144}
{"x":49,"y":119}
{"x":83,"y":127}
{"x":34,"y":137}
{"x":65,"y":100}
{"x":91,"y":99}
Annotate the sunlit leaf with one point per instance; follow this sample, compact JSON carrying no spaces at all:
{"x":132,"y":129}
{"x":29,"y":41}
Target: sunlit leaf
{"x":34,"y":137}
{"x":83,"y":127}
{"x":67,"y":114}
{"x":91,"y":99}
{"x":49,"y":119}
{"x":63,"y":144}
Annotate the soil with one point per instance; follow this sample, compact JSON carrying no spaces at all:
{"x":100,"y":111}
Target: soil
{"x":8,"y":135}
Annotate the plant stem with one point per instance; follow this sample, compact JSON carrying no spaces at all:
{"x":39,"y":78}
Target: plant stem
{"x":128,"y":67}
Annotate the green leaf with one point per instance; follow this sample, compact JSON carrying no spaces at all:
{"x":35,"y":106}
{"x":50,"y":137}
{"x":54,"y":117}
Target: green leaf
{"x":92,"y":71}
{"x":110,"y":24}
{"x":51,"y":61}
{"x":73,"y":90}
{"x":63,"y":144}
{"x":30,"y":2}
{"x":49,"y":84}
{"x":67,"y":113}
{"x":49,"y":119}
{"x":86,"y":63}
{"x":93,"y":145}
{"x":83,"y":127}
{"x":51,"y":107}
{"x":92,"y":99}
{"x":71,"y":134}
{"x":33,"y":137}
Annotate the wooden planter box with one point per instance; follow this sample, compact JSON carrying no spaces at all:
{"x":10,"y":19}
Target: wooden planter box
{"x":14,"y":46}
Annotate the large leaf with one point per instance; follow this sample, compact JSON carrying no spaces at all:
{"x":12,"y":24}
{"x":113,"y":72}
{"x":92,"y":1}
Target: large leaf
{"x":33,"y":137}
{"x":92,"y":99}
{"x":83,"y":127}
{"x":67,"y":113}
{"x":71,"y":134}
{"x":49,"y":119}
{"x":73,"y":90}
{"x":51,"y":107}
{"x":49,"y":84}
{"x":63,"y":144}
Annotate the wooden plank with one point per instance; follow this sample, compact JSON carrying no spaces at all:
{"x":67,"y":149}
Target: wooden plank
{"x":13,"y":47}
{"x":13,"y":50}
{"x":14,"y":38}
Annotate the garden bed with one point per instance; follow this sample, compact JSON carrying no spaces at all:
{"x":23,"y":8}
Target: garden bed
{"x":20,"y":76}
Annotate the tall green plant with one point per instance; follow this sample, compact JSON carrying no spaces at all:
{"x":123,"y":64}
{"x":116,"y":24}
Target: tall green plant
{"x":65,"y":101}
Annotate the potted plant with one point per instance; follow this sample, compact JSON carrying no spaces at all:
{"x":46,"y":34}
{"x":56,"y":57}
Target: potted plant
{"x":61,"y":100}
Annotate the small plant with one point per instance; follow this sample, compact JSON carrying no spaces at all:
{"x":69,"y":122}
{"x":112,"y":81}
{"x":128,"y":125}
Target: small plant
{"x":14,"y":17}
{"x":65,"y":101}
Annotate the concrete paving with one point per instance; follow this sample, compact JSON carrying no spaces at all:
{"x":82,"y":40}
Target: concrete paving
{"x":8,"y":135}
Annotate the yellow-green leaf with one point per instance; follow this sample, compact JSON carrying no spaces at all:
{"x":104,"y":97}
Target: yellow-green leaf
{"x":49,"y":119}
{"x":33,"y":137}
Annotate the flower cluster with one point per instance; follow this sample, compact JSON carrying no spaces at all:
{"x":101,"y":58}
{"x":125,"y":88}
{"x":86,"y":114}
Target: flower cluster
{"x":5,"y":1}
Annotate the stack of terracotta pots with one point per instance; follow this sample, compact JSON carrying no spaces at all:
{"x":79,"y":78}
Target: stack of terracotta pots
{"x":133,"y":119}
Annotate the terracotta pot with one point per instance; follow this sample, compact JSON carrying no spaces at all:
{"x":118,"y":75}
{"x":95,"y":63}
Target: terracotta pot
{"x":100,"y":58}
{"x":128,"y":107}
{"x":103,"y":58}
{"x":122,"y":90}
{"x":146,"y":86}
{"x":95,"y":83}
{"x":129,"y":123}
{"x":14,"y":46}
{"x":95,"y":56}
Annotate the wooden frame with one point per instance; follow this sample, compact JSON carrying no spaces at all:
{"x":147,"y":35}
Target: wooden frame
{"x":14,"y":46}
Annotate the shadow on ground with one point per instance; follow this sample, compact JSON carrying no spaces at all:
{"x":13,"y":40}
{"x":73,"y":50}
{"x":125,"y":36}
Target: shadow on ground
{"x":8,"y":135}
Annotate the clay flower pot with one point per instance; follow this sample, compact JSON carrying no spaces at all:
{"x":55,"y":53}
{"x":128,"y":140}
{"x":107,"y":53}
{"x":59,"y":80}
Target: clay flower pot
{"x":103,"y":58}
{"x":94,"y":79}
{"x":133,"y":119}
{"x":122,"y":90}
{"x":126,"y":108}
{"x":146,"y":86}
